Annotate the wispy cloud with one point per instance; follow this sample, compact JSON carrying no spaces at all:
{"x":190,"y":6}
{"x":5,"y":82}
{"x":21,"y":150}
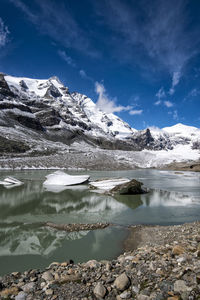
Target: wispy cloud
{"x":158,"y":102}
{"x":66,"y":58}
{"x":4,"y":33}
{"x":194,"y":92}
{"x":156,"y":32}
{"x":54,"y":20}
{"x":160,"y":95}
{"x":168,"y":103}
{"x":84,"y":75}
{"x":175,"y":115}
{"x":175,"y":80}
{"x":105,"y":103}
{"x":136,"y":112}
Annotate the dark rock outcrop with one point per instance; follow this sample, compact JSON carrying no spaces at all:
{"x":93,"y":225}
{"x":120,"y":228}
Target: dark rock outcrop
{"x":52,"y":92}
{"x":48,"y":117}
{"x":132,"y":187}
{"x":10,"y":146}
{"x":4,"y":88}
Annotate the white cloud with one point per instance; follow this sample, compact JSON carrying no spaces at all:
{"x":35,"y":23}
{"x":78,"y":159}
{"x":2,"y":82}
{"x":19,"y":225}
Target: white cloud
{"x":136,"y":112}
{"x":66,"y":58}
{"x":56,"y":21}
{"x":175,"y":80}
{"x":164,"y":36}
{"x":168,"y":103}
{"x":104,"y":103}
{"x":83,"y":74}
{"x":161,"y":93}
{"x":195,"y":92}
{"x":158,"y":102}
{"x":4,"y":32}
{"x":175,"y":115}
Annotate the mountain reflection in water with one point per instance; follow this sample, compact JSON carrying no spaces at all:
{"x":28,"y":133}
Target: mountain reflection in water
{"x":25,"y":208}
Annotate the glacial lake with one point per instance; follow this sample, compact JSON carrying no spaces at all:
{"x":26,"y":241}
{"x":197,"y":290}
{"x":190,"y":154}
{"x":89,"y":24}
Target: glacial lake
{"x":25,"y":244}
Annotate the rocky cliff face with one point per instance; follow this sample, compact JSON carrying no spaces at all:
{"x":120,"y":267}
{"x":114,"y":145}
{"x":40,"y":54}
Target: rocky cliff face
{"x":32,"y":109}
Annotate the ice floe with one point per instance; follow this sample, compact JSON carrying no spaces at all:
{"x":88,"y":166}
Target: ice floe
{"x":64,"y":179}
{"x":108,"y":184}
{"x":11,"y":182}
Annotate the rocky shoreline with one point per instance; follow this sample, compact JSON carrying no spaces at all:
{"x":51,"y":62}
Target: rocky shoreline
{"x":77,"y":227}
{"x":187,"y":166}
{"x":160,"y":262}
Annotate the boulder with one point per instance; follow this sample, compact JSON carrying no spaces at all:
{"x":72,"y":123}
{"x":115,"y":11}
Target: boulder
{"x":132,"y":187}
{"x":99,"y":291}
{"x":122,"y":282}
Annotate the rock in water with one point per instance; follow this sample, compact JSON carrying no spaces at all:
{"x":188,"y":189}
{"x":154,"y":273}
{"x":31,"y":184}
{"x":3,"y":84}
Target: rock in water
{"x":132,"y":187}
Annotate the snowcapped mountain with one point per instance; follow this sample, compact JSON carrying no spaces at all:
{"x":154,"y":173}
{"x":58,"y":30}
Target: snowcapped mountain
{"x":49,"y":107}
{"x":178,"y":134}
{"x":43,"y":112}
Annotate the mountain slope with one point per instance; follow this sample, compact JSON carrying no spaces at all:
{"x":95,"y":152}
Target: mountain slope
{"x":47,"y":106}
{"x":42,"y":116}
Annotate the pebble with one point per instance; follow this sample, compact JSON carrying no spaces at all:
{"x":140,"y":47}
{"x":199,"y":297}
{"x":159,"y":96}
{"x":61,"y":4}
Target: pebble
{"x":99,"y":290}
{"x":21,"y":296}
{"x":125,"y":295}
{"x":143,"y":297}
{"x":122,"y":282}
{"x":47,"y":276}
{"x":29,"y":287}
{"x":180,"y":286}
{"x":92,"y":264}
{"x":177,"y":250}
{"x":168,"y":268}
{"x":49,"y":292}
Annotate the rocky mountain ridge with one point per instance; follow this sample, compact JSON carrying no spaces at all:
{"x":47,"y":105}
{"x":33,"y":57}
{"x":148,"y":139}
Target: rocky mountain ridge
{"x":35,"y":111}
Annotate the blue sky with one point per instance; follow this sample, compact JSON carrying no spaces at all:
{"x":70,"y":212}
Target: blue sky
{"x":137,"y":58}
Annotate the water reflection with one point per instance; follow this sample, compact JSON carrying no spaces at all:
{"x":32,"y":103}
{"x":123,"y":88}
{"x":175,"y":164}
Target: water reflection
{"x":27,"y":239}
{"x":61,"y":188}
{"x":166,"y":198}
{"x":24,"y":208}
{"x":33,"y":199}
{"x":24,"y":239}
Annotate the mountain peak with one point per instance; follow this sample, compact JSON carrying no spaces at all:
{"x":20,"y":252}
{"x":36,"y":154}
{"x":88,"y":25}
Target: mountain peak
{"x":55,"y":78}
{"x":180,"y":128}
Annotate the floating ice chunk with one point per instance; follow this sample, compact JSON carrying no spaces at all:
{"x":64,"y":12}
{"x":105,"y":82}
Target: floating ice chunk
{"x":61,"y":178}
{"x":11,"y":182}
{"x":108,"y":184}
{"x":5,"y":183}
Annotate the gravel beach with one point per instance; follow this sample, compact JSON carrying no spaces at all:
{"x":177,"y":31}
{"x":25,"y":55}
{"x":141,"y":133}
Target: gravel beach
{"x":159,"y":262}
